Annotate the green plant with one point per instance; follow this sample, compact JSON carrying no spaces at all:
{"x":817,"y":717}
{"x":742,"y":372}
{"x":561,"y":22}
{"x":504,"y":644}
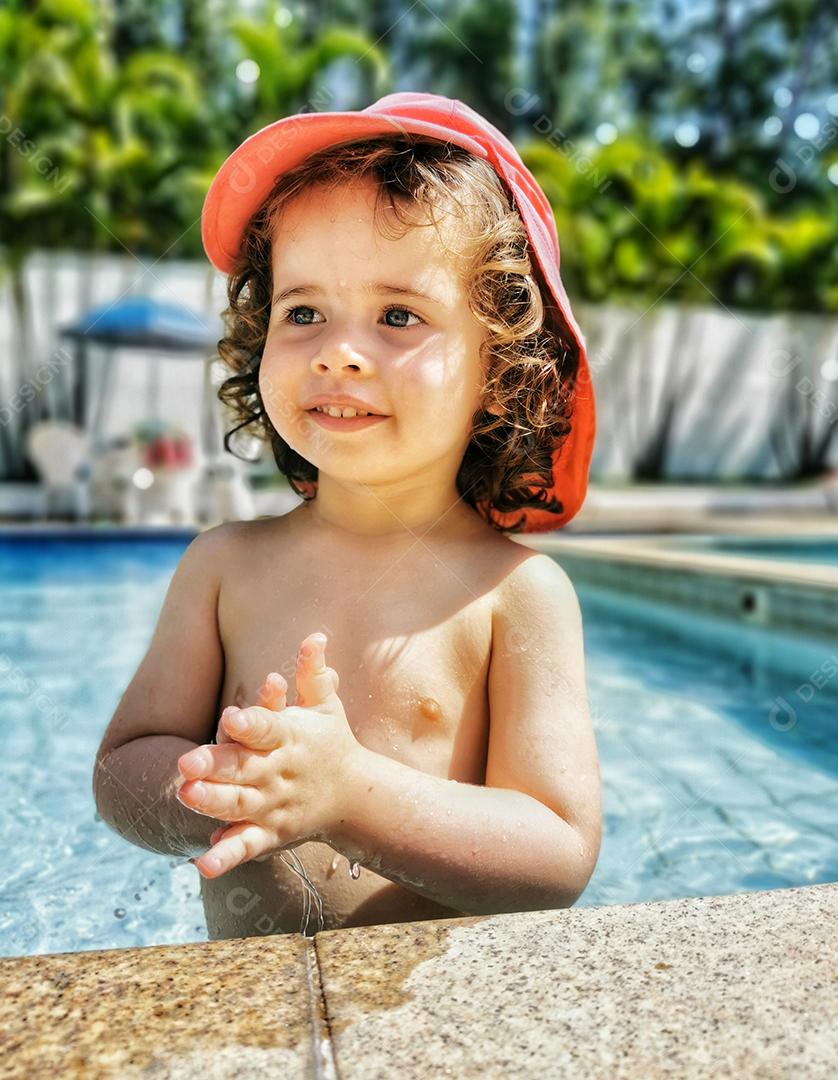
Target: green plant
{"x":635,"y":226}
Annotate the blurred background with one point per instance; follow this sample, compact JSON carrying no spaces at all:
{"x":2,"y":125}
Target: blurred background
{"x":689,"y":152}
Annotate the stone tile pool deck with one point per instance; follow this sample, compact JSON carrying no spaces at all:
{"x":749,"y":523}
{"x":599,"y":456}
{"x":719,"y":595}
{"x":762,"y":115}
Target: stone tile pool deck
{"x":744,"y":985}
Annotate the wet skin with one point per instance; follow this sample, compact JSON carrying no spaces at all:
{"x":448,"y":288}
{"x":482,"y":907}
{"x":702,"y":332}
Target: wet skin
{"x":411,"y":671}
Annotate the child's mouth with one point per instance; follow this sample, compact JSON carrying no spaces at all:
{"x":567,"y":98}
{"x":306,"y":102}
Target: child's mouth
{"x":344,"y":423}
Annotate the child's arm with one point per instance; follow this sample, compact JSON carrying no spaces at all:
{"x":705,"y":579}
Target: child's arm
{"x":169,"y":707}
{"x":530,"y":838}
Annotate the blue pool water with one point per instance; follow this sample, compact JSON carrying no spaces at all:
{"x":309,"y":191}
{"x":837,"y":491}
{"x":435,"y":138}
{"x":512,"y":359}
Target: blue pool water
{"x":807,"y":549}
{"x":707,"y":788}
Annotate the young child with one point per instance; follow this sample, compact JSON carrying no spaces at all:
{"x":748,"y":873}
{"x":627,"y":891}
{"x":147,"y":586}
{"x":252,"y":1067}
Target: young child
{"x":405,"y":724}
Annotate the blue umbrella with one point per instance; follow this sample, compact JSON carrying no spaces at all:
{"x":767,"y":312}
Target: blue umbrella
{"x":146,"y":323}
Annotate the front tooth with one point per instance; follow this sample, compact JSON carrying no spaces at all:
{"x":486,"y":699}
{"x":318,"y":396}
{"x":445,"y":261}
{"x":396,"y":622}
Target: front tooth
{"x":334,"y":410}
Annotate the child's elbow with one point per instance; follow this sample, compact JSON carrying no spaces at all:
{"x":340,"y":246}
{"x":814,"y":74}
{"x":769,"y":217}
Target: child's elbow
{"x":102,"y":784}
{"x":565,"y":878}
{"x":583,"y":859}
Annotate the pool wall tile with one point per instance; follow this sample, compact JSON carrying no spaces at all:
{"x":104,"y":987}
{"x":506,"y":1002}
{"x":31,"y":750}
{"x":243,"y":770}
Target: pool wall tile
{"x":740,"y":594}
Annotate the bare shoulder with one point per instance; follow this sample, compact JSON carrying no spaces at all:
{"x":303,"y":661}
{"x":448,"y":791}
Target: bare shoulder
{"x":234,"y":544}
{"x":536,"y":614}
{"x":212,"y":542}
{"x":239,"y":533}
{"x":529,"y":582}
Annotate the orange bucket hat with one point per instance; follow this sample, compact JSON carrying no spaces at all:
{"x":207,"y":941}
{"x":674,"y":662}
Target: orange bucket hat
{"x":249,"y":174}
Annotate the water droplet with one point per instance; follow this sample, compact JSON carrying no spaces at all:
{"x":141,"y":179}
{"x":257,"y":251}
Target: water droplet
{"x":395,"y":746}
{"x":504,"y":838}
{"x":120,"y":912}
{"x":355,"y":870}
{"x":448,"y":811}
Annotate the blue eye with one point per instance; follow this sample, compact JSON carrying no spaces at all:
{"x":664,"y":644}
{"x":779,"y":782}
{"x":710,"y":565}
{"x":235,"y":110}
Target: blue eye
{"x":410,"y":314}
{"x":291,"y":311}
{"x":290,"y":316}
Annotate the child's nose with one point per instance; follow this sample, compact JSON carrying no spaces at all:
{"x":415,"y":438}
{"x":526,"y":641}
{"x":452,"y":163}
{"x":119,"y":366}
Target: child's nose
{"x":342,"y":351}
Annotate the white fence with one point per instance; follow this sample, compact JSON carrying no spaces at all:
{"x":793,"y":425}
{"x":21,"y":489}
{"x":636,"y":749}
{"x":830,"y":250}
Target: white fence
{"x":37,"y":377}
{"x":690,"y":392}
{"x":711,"y":392}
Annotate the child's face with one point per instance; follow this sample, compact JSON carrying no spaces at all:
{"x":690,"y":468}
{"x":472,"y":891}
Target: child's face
{"x":417,"y":363}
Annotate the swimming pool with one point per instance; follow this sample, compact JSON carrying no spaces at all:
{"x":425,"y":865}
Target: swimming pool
{"x":709,"y":785}
{"x":806,"y":549}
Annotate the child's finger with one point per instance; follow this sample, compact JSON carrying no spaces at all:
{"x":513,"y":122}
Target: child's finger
{"x":315,"y":682}
{"x":221,"y":735}
{"x":273,"y":692}
{"x":257,"y":728}
{"x":240,"y":843}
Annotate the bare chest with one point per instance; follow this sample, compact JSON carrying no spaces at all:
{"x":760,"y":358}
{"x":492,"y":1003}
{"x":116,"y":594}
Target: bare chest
{"x":411,"y":647}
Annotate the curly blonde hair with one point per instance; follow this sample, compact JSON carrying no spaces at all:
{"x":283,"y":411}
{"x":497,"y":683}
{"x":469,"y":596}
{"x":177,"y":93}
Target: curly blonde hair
{"x":530,"y":358}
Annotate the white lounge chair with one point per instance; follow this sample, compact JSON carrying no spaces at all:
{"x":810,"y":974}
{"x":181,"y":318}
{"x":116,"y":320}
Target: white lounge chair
{"x":224,"y":494}
{"x":60,"y":452}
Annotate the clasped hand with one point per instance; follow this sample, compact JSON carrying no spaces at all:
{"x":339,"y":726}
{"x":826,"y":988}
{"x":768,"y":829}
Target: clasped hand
{"x":278,"y":773}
